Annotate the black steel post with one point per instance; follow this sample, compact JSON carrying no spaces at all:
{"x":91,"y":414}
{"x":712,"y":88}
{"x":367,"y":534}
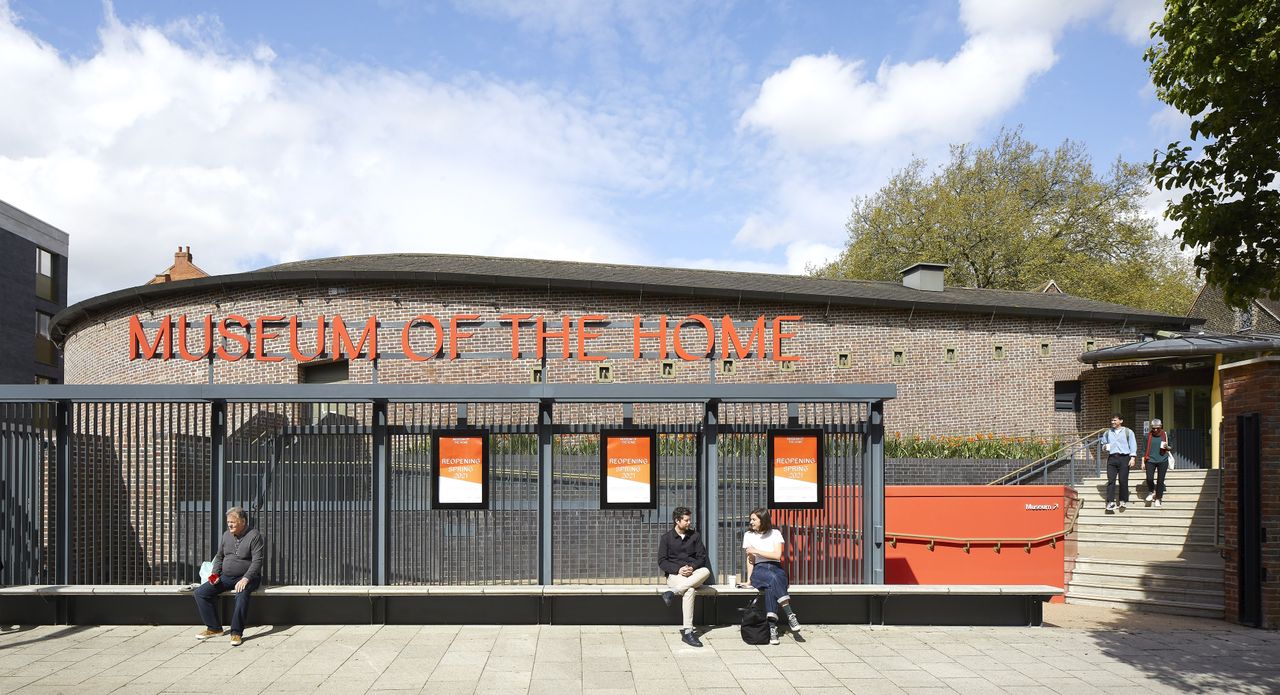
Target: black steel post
{"x":381,"y":492}
{"x":711,"y":478}
{"x":218,"y":475}
{"x":545,"y":438}
{"x":873,"y":498}
{"x":62,"y":514}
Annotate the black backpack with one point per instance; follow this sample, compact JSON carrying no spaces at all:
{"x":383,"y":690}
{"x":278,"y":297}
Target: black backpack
{"x":755,"y":624}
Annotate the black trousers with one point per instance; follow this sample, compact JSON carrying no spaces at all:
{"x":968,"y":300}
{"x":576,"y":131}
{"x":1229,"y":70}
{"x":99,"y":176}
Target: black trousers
{"x":1155,"y":477}
{"x":1117,"y":467}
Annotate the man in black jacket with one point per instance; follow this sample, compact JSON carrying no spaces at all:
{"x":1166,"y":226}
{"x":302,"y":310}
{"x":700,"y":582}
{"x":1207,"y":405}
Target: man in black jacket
{"x":683,"y":557}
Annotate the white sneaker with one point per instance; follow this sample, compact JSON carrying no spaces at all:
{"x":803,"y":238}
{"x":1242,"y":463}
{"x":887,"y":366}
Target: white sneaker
{"x":1151,"y":496}
{"x":1111,"y":506}
{"x":1157,"y":503}
{"x":1122,"y":506}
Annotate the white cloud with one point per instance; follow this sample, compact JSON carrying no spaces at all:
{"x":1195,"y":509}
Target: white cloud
{"x":1133,"y":18}
{"x":836,"y":127}
{"x":1153,"y":206}
{"x":798,"y":258}
{"x":1171,"y":123}
{"x":159,"y":140}
{"x":824,"y":101}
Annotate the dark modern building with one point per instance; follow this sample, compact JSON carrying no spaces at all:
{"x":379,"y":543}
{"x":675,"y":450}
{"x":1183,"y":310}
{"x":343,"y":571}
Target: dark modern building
{"x":33,"y":282}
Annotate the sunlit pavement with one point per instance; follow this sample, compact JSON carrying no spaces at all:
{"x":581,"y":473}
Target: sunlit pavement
{"x":1081,"y":650}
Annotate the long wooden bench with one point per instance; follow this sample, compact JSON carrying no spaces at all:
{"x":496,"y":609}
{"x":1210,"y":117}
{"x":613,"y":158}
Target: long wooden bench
{"x":580,"y":604}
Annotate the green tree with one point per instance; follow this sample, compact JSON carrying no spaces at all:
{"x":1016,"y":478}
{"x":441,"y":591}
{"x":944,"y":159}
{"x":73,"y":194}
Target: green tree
{"x":1012,"y":216}
{"x":1218,"y":61}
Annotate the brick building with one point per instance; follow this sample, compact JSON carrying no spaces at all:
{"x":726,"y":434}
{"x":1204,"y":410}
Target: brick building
{"x":1249,"y":389}
{"x":1260,"y":316}
{"x":1245,"y":394}
{"x":965,"y":360}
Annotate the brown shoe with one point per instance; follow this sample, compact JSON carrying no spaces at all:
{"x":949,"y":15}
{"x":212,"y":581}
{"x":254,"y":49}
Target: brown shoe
{"x":235,"y":640}
{"x":206,"y":634}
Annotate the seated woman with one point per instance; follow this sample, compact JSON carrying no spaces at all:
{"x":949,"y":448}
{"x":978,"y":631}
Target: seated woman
{"x":763,"y":546}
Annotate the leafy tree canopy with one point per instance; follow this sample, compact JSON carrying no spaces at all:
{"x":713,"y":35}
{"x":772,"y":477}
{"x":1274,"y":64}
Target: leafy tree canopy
{"x":1218,"y":61}
{"x":1013,"y":216}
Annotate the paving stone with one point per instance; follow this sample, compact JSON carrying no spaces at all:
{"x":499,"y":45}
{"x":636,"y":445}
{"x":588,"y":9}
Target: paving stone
{"x":766,"y":686}
{"x":755,"y":671}
{"x":833,"y":656}
{"x":597,"y":680}
{"x":972,"y":686}
{"x":811,"y":679}
{"x":872,"y":686}
{"x":555,"y":687}
{"x":913,"y":679}
{"x":569,"y":659}
{"x":557,"y":670}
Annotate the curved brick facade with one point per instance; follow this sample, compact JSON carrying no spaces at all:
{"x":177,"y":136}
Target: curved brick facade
{"x":975,"y":393}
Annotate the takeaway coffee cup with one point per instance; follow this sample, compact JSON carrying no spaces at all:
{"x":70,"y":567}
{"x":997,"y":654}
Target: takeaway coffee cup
{"x":733,"y":580}
{"x":1106,"y":448}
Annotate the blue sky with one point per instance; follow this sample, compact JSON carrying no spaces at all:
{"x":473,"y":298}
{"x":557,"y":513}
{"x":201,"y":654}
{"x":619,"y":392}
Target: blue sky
{"x":713,"y":134}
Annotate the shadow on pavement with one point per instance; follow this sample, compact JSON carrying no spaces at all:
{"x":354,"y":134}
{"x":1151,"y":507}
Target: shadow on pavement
{"x":271,"y":631}
{"x":56,"y":634}
{"x":1189,"y":654}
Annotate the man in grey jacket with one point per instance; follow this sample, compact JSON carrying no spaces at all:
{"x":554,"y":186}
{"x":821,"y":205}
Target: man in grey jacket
{"x":237,"y":567}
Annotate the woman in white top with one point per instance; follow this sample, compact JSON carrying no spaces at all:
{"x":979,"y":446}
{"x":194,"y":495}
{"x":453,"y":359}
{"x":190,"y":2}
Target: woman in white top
{"x":763,"y":547}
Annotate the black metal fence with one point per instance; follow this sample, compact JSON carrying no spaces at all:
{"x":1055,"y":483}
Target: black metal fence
{"x":128,"y":485}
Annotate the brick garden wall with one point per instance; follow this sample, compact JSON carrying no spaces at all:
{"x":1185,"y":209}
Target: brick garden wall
{"x":1252,"y":388}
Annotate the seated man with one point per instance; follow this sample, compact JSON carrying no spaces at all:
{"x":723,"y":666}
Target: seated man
{"x":237,"y":566}
{"x":683,"y":557}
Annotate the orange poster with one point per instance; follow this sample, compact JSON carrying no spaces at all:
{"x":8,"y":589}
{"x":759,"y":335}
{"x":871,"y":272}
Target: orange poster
{"x":462,"y":458}
{"x":796,"y":462}
{"x":461,"y":465}
{"x":628,"y":467}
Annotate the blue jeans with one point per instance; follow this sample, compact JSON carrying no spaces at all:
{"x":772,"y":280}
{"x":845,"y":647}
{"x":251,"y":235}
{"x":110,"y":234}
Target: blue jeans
{"x":770,"y":577}
{"x":207,"y":596}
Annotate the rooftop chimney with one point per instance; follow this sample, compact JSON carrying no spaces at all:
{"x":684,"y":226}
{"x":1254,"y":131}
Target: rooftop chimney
{"x":924,"y":276}
{"x":182,"y":268}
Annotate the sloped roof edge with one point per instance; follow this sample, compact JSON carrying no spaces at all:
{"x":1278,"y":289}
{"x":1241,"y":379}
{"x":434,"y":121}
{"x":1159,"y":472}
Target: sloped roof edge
{"x":1184,"y":346}
{"x":441,"y":269}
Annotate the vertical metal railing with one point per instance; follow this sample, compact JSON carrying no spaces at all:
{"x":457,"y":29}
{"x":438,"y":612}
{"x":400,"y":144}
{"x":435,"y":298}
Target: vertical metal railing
{"x":617,"y":546}
{"x":134,"y":492}
{"x":138,"y":492}
{"x":497,"y":545}
{"x":27,"y":492}
{"x":823,"y":545}
{"x":304,"y":473}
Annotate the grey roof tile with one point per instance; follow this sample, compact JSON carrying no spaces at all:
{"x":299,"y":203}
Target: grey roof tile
{"x":603,"y":277}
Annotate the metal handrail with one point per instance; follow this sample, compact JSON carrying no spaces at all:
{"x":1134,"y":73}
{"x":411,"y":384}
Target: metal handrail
{"x":1067,"y":530}
{"x":1048,"y":458}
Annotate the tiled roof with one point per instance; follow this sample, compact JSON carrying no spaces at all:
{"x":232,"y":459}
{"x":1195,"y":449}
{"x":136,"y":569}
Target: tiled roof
{"x":692,"y":281}
{"x":522,"y":272}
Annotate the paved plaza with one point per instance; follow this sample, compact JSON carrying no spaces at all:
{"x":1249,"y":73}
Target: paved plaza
{"x":1083,"y":650}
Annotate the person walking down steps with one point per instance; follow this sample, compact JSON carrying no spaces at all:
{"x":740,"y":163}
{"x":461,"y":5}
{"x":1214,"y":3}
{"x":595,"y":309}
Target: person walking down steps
{"x":1156,"y":461}
{"x":1122,"y":454}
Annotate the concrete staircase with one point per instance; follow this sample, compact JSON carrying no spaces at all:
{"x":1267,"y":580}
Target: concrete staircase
{"x":1148,"y":558}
